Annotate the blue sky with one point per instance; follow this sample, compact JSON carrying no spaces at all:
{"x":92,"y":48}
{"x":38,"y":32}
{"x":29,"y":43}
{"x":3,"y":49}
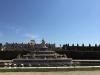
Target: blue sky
{"x":57,"y":21}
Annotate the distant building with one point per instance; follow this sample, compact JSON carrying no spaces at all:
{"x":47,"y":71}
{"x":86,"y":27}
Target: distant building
{"x":42,"y":55}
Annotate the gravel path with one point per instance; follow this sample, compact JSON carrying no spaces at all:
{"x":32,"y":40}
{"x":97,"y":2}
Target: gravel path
{"x":53,"y":73}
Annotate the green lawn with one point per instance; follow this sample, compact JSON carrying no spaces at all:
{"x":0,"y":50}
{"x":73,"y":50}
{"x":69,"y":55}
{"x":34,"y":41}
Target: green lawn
{"x":46,"y":69}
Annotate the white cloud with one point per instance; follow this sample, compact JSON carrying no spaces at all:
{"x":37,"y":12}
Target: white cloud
{"x":15,"y":29}
{"x":31,"y":36}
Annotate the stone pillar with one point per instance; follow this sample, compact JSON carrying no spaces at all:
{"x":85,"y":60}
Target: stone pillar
{"x":22,"y":65}
{"x":5,"y":64}
{"x":30,"y":65}
{"x":15,"y":65}
{"x":9,"y":64}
